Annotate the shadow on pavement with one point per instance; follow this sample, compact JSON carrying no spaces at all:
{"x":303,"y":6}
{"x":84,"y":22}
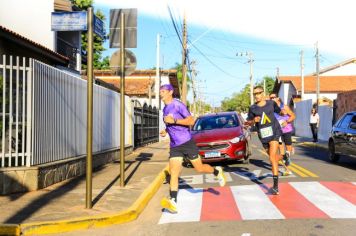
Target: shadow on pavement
{"x":107,"y":188}
{"x":322,"y":154}
{"x":28,"y":210}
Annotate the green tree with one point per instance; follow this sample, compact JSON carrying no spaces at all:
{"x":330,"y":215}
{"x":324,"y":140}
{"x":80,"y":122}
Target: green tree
{"x":241,"y":101}
{"x":99,"y":62}
{"x":238,"y":102}
{"x":269,"y":84}
{"x":178,"y":67}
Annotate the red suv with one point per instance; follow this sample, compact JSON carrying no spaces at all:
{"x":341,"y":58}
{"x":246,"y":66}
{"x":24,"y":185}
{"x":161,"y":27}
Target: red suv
{"x":221,"y":136}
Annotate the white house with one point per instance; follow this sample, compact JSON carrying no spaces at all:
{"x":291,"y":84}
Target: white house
{"x":333,"y":80}
{"x":31,"y":19}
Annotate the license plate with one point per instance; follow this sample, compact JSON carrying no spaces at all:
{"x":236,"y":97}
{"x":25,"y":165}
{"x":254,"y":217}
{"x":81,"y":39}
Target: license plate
{"x":212,"y":154}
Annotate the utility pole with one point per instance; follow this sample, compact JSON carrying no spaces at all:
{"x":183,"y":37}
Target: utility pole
{"x":194,"y":73}
{"x":264,"y":84}
{"x":184,"y":63}
{"x":302,"y":72}
{"x":250,"y":60}
{"x":158,"y":78}
{"x":317,"y":75}
{"x":277,"y":73}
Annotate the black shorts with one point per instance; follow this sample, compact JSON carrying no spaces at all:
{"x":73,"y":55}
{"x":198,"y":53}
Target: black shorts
{"x":275,"y":138}
{"x":186,"y":150}
{"x":287,"y":138}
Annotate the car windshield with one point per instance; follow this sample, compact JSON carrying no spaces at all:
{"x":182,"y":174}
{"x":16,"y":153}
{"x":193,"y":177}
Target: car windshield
{"x":215,"y":122}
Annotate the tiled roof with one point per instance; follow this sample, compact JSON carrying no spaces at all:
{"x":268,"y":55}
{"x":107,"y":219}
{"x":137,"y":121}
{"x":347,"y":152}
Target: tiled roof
{"x":328,"y":84}
{"x":133,"y":86}
{"x":9,"y":33}
{"x":138,"y":82}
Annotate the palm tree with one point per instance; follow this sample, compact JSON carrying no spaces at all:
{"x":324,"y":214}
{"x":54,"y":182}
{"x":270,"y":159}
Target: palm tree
{"x":178,"y":67}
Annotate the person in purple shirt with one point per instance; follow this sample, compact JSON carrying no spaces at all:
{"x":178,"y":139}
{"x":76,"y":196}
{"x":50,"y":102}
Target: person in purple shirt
{"x":285,"y":120}
{"x":178,"y":119}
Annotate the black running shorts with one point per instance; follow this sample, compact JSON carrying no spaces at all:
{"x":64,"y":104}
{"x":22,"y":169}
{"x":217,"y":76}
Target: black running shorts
{"x":186,"y":150}
{"x":287,"y":138}
{"x":275,"y":138}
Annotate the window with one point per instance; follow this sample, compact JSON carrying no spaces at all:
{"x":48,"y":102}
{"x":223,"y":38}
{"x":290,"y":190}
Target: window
{"x":346,"y":121}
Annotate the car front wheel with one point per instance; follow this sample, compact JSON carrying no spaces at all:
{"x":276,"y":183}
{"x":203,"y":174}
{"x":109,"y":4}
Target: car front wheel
{"x":332,"y":155}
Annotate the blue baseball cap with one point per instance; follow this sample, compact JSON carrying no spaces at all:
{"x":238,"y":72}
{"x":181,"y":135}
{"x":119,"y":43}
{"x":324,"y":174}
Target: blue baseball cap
{"x":168,"y":87}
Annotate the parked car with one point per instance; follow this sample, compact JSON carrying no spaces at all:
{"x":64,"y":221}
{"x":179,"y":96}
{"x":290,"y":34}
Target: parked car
{"x":342,"y":140}
{"x":221,"y":136}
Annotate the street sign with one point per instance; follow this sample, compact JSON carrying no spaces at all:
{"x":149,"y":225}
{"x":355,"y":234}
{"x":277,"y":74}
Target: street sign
{"x":99,"y":28}
{"x":130,"y":27}
{"x":130,"y":61}
{"x":69,"y":21}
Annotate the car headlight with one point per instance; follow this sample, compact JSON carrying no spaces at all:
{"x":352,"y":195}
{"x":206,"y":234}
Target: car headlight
{"x":237,"y":139}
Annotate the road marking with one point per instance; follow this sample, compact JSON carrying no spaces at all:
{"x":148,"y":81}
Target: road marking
{"x":294,"y":170}
{"x":201,"y":179}
{"x":297,"y":200}
{"x":215,"y":209}
{"x":344,"y":189}
{"x":254,"y":204}
{"x":293,"y":205}
{"x":311,"y":174}
{"x":326,"y":200}
{"x":189,"y":206}
{"x":302,"y":172}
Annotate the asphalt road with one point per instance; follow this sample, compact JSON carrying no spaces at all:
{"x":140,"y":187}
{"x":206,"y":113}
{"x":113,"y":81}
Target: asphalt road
{"x":319,"y":198}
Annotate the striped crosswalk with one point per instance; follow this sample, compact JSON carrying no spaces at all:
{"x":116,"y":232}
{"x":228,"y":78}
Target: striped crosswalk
{"x":297,"y":200}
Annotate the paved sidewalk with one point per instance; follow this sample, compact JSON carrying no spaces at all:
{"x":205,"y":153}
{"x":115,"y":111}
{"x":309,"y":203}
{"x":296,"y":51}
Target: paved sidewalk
{"x":61,"y":207}
{"x":309,"y":142}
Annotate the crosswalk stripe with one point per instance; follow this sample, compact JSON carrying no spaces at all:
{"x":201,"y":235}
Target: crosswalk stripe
{"x":345,"y":190}
{"x":254,"y":204}
{"x":214,"y":208}
{"x":297,"y":200}
{"x":294,"y":205}
{"x":189,"y":207}
{"x":326,"y":200}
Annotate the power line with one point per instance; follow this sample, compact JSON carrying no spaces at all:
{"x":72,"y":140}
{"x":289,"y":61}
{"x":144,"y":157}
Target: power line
{"x":216,"y":66}
{"x":174,"y":25}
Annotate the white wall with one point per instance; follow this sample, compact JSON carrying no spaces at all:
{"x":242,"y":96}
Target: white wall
{"x":301,"y":123}
{"x":29,"y":18}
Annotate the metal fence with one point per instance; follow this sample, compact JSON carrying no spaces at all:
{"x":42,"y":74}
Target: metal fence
{"x":15,"y":81}
{"x":146,"y":125}
{"x":43,"y":114}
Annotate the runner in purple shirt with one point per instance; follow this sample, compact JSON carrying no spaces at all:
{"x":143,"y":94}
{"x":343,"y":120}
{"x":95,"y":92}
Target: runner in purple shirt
{"x":178,"y":119}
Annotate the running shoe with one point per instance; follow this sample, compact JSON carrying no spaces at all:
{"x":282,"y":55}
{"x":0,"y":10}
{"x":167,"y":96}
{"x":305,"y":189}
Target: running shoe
{"x":286,"y":158}
{"x":221,"y":176}
{"x":169,"y":204}
{"x":286,"y":173}
{"x":274,"y":191}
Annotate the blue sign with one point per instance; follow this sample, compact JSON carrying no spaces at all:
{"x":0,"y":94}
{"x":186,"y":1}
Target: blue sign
{"x":69,"y":21}
{"x":99,"y":27}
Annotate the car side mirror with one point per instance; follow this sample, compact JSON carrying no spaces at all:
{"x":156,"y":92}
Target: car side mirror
{"x":353,"y":126}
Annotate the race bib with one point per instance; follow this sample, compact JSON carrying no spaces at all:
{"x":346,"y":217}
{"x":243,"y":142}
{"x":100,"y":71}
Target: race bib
{"x":266,"y":132}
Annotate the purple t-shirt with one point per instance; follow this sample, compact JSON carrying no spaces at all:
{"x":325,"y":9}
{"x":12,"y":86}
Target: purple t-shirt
{"x":178,"y":134}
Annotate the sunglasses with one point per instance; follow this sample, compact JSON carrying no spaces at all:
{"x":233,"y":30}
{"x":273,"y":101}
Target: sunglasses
{"x":272,"y":97}
{"x":257,"y":93}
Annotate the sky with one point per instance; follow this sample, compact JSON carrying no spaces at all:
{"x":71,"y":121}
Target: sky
{"x":220,"y":33}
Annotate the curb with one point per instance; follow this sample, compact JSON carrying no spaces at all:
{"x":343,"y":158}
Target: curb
{"x":101,"y":220}
{"x":9,"y":229}
{"x":310,"y":144}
